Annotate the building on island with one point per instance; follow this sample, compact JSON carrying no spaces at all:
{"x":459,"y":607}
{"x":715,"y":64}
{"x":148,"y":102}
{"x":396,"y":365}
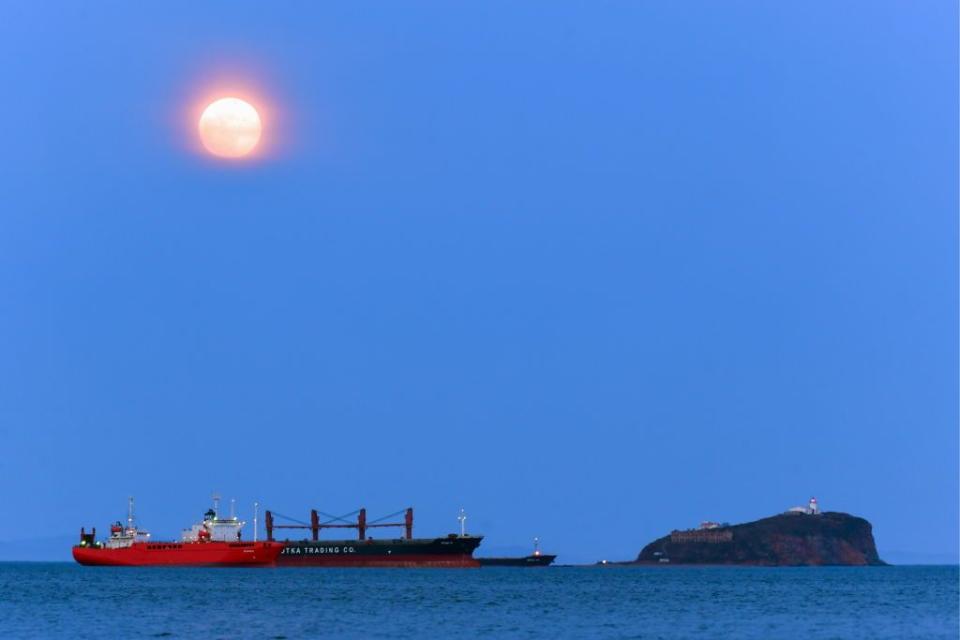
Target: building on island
{"x":812,"y":509}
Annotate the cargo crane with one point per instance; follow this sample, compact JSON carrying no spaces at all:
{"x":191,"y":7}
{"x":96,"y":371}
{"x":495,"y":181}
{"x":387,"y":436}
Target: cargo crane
{"x":340,"y":522}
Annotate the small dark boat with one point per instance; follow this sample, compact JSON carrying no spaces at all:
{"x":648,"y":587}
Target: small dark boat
{"x":536,"y":559}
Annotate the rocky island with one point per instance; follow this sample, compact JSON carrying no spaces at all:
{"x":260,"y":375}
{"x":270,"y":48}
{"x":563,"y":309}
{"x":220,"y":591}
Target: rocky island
{"x":799,"y":537}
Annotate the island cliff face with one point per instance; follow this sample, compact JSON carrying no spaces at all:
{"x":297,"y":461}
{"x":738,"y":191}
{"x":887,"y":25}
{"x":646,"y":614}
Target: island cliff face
{"x":789,"y":539}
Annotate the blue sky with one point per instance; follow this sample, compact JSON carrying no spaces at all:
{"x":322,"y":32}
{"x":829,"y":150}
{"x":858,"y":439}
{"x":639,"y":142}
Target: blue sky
{"x":591,"y":270}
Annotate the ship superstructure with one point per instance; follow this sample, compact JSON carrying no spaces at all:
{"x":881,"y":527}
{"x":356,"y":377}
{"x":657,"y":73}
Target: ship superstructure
{"x":120,"y":536}
{"x":213,"y":527}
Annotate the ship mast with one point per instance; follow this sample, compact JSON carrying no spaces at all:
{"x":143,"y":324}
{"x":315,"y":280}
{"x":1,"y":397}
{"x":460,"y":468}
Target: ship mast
{"x":463,"y":522}
{"x":130,"y":512}
{"x":256,"y":510}
{"x":216,"y":506}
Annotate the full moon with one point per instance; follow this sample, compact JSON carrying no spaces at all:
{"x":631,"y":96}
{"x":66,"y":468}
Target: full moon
{"x":230,"y":128}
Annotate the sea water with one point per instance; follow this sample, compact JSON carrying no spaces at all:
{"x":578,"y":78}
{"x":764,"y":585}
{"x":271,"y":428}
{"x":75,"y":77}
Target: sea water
{"x":41,"y":600}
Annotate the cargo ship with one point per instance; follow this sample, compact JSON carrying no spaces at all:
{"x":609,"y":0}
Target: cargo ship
{"x":213,"y":542}
{"x":450,"y":551}
{"x":536,"y":559}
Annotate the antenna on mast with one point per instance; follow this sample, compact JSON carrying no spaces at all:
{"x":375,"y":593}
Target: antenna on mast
{"x":463,"y":522}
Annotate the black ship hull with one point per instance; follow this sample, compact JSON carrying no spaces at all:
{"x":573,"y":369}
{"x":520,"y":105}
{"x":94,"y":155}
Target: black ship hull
{"x":452,"y":551}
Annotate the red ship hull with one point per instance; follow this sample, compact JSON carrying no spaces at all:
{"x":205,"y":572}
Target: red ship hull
{"x":182,"y":554}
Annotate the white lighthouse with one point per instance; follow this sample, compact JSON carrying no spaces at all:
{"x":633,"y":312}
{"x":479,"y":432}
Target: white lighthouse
{"x":813,"y":508}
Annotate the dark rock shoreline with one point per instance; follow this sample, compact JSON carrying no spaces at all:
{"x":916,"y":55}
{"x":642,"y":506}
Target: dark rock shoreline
{"x":790,"y":539}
